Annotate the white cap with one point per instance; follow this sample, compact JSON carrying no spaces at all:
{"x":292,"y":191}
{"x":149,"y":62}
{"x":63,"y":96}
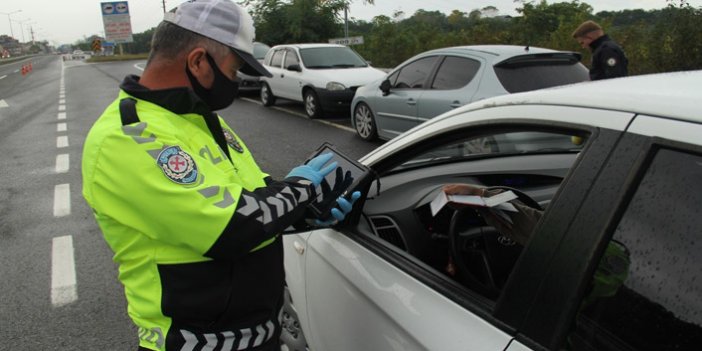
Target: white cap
{"x":222,"y":21}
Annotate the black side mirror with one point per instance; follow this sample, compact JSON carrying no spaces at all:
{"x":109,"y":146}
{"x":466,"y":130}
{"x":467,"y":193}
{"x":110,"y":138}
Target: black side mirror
{"x":385,"y":87}
{"x":295,"y":68}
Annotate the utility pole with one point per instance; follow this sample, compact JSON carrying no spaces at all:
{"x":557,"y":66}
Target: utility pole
{"x":9,"y":21}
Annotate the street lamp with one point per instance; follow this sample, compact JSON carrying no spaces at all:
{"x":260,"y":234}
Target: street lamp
{"x":22,"y":22}
{"x":10,"y":21}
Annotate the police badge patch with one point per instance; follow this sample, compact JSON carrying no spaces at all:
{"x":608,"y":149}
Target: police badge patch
{"x":177,"y":165}
{"x":232,"y":142}
{"x":611,"y":62}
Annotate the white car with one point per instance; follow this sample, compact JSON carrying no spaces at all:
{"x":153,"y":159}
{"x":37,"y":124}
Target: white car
{"x":613,"y":264}
{"x":323,"y":76}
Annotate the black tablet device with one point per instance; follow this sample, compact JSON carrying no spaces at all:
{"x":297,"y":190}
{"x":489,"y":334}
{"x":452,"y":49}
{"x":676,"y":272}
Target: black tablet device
{"x":324,"y":203}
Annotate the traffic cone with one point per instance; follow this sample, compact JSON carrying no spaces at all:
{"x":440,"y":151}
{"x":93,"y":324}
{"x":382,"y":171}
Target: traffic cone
{"x":30,"y":67}
{"x":24,"y":70}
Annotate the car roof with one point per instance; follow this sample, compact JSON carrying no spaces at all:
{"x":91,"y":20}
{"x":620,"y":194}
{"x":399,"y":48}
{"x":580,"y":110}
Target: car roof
{"x":492,"y":52}
{"x":308,"y":45}
{"x":673,"y":95}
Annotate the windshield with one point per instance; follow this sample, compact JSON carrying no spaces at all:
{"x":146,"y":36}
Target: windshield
{"x":331,"y":57}
{"x":260,"y":50}
{"x":495,"y":145}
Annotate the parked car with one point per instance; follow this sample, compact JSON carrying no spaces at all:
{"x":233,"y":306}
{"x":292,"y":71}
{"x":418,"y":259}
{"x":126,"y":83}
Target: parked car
{"x":437,"y":81}
{"x":323,"y":76}
{"x":395,"y":277}
{"x":251,"y":83}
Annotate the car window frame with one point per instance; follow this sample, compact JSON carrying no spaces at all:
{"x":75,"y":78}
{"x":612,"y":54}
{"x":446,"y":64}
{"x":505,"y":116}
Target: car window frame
{"x":583,"y":245}
{"x":465,"y":298}
{"x":288,"y":51}
{"x":282,"y":51}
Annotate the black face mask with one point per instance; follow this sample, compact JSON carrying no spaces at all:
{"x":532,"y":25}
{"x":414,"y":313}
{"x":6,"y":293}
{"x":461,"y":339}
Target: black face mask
{"x":223,"y":90}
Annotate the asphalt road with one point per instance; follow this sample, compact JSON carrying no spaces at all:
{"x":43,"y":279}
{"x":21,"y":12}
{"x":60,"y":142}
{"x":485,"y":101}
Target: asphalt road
{"x":59,"y":285}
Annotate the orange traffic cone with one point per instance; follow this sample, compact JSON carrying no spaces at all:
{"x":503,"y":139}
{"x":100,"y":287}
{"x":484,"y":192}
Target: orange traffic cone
{"x":24,"y":70}
{"x":30,"y":67}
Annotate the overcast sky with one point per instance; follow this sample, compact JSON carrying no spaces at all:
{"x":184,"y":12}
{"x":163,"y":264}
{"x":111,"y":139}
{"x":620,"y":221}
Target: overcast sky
{"x":63,"y":21}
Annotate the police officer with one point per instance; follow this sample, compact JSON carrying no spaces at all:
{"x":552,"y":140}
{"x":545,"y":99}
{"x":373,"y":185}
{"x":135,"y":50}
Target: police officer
{"x":192,"y":220}
{"x":608,"y":59}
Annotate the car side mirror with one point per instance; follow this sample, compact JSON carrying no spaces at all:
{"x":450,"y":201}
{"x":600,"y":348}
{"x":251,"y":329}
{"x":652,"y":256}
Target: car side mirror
{"x":385,"y":87}
{"x":295,"y":68}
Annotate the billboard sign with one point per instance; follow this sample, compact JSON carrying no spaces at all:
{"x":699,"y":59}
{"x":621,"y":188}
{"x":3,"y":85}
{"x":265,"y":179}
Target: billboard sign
{"x":115,"y":18}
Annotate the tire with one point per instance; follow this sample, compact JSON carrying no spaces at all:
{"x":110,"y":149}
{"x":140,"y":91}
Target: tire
{"x":312,"y":106}
{"x":364,"y":122}
{"x":267,"y":97}
{"x":291,"y":338}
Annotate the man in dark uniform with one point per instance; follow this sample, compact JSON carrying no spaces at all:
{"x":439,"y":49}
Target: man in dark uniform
{"x":608,"y":59}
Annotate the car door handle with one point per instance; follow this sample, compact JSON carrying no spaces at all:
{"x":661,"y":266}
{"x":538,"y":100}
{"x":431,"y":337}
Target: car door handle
{"x":299,"y":248}
{"x":411,"y":102}
{"x":455,"y":104}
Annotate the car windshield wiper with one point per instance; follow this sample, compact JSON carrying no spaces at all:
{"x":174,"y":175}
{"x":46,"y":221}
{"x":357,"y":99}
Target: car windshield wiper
{"x":319,"y":66}
{"x":345,"y":65}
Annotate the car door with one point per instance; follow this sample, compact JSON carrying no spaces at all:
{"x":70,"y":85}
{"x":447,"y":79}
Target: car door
{"x":366,"y":292}
{"x":275,"y":82}
{"x":396,"y":111}
{"x":291,"y":80}
{"x":455,"y":83}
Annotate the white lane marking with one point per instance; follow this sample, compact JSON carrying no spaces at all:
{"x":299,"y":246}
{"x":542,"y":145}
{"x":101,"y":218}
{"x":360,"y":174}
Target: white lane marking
{"x":62,"y":200}
{"x":62,"y":101}
{"x":136,"y":65}
{"x":62,"y":142}
{"x":62,"y":163}
{"x":3,"y":104}
{"x":302,"y":115}
{"x":62,"y":115}
{"x":62,"y":107}
{"x":63,"y":271}
{"x":61,"y":127}
{"x":3,"y":77}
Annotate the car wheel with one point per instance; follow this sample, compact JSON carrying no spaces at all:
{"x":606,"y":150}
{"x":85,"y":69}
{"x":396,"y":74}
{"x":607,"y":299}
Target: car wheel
{"x":291,"y":337}
{"x":312,"y":106}
{"x":364,"y":121}
{"x":267,"y":97}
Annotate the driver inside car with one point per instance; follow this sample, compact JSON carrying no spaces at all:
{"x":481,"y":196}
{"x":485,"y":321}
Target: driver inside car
{"x":612,"y":270}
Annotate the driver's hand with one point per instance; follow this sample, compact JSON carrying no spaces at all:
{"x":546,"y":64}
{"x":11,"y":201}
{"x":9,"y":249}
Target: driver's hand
{"x":463,"y":189}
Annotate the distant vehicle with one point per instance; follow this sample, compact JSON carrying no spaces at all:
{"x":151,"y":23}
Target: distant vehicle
{"x":437,"y":81}
{"x":613,"y":264}
{"x":322,"y":76}
{"x":251,"y":83}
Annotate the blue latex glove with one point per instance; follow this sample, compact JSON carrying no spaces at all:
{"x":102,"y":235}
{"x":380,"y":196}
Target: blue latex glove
{"x":339,"y":213}
{"x":313,"y":170}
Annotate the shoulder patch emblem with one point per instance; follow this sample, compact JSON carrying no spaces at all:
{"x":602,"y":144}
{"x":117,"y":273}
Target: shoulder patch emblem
{"x":232,"y":142}
{"x":611,"y":62}
{"x":177,"y":165}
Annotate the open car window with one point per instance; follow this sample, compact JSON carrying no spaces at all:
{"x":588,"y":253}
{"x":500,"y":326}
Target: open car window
{"x":458,"y":244}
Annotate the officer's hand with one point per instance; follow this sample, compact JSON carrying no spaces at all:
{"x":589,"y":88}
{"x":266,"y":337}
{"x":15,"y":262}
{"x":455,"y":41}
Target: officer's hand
{"x":338,"y":213}
{"x":341,"y":182}
{"x":313,"y":170}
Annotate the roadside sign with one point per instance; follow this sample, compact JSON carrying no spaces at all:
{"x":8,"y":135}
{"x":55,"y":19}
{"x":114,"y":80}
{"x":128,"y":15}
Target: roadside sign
{"x":347,"y":41}
{"x":116,"y":20}
{"x":96,"y":45}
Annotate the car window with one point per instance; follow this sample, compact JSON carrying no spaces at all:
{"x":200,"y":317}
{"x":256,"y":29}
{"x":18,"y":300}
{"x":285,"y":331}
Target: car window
{"x":532,"y":76}
{"x":331,"y":58}
{"x":457,"y":241}
{"x":455,"y":72}
{"x":291,"y":59}
{"x":645,"y":293}
{"x":260,"y":50}
{"x":277,"y":58}
{"x":414,"y":74}
{"x":496,"y":145}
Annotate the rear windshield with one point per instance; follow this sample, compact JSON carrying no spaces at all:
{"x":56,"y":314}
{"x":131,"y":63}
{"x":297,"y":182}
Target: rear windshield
{"x":331,"y":57}
{"x":518,"y":78}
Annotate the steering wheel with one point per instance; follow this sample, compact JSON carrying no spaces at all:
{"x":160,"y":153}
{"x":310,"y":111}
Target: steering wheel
{"x":482,"y":256}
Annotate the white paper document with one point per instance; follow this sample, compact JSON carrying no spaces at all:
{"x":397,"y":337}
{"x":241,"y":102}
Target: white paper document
{"x":499,"y":201}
